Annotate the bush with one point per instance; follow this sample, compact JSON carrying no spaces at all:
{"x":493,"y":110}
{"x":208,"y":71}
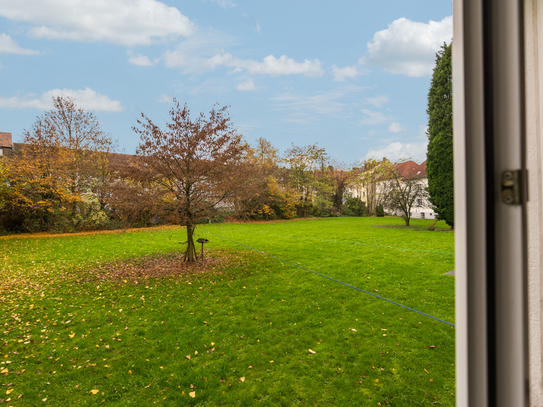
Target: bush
{"x":354,"y":207}
{"x":379,"y":211}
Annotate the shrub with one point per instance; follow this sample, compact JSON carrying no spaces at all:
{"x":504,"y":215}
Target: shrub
{"x":354,"y":207}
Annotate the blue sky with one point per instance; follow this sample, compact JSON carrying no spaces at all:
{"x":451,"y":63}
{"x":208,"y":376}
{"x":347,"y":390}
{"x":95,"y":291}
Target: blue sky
{"x":352,"y":76}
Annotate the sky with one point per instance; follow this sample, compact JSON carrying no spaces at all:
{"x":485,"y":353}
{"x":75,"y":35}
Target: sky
{"x":352,"y":76}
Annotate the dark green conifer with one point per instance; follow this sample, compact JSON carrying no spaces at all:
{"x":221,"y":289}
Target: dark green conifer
{"x":439,"y":165}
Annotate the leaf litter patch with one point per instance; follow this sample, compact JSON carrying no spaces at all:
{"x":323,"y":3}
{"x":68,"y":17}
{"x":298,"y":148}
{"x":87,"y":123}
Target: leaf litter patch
{"x":161,"y":266}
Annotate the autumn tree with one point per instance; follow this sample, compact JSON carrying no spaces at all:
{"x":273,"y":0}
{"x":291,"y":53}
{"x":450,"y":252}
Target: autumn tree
{"x":134,"y":198}
{"x":440,"y":138}
{"x":307,"y":168}
{"x":340,"y":178}
{"x":76,"y":140}
{"x":196,"y":160}
{"x":260,"y":166}
{"x":372,"y":176}
{"x":403,"y":192}
{"x":60,"y":169}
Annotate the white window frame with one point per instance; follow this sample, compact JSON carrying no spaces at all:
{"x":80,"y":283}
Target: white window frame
{"x":491,"y":247}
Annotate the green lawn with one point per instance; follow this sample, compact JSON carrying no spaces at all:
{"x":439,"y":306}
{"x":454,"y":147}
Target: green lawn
{"x":69,"y":337}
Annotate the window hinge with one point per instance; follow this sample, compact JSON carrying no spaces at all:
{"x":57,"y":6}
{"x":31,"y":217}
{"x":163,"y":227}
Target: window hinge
{"x":512,"y":187}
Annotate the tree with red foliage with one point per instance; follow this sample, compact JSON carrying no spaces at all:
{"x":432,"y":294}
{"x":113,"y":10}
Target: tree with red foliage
{"x":196,"y":160}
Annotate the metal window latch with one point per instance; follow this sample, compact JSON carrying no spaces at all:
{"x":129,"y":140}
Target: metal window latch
{"x":511,"y":187}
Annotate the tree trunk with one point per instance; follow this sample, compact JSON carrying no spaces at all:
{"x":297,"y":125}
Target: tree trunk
{"x":190,"y":254}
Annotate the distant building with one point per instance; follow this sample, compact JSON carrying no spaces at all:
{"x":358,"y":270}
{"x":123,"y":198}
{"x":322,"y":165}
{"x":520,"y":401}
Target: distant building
{"x":6,"y":144}
{"x":409,"y":169}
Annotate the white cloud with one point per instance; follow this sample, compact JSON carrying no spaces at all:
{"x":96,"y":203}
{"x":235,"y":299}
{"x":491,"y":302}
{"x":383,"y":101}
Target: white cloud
{"x":86,"y":98}
{"x":398,"y":151}
{"x":165,"y":99}
{"x":223,"y":3}
{"x":395,"y":127}
{"x":176,"y":58}
{"x":408,"y":47}
{"x":340,"y":74}
{"x":248,"y":85}
{"x":377,"y":101}
{"x":139,"y":60}
{"x":304,"y":107}
{"x":269,"y":66}
{"x":126,"y":22}
{"x":423,"y":132}
{"x":373,"y":118}
{"x":193,"y":53}
{"x":9,"y":46}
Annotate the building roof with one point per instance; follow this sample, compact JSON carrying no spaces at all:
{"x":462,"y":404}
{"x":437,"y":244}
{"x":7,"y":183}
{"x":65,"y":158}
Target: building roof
{"x":410,"y":169}
{"x":5,"y":140}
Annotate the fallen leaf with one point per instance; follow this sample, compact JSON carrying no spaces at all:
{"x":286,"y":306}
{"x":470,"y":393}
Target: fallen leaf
{"x":192,"y":394}
{"x":212,"y":343}
{"x":312,"y":351}
{"x":130,"y":372}
{"x":94,"y":391}
{"x":4,"y":370}
{"x":9,"y":391}
{"x":188,"y":356}
{"x":71,"y":335}
{"x":242,"y":379}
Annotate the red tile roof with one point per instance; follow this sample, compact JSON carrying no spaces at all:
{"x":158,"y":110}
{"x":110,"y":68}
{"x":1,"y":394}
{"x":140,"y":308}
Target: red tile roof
{"x":410,"y":169}
{"x":5,"y":140}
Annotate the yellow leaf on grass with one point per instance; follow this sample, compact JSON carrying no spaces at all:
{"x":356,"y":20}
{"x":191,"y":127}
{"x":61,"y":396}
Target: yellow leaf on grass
{"x":192,"y":394}
{"x":311,"y":351}
{"x":94,"y":391}
{"x":9,"y":391}
{"x":4,"y":370}
{"x":242,"y":379}
{"x":188,"y":356}
{"x":71,"y":335}
{"x":130,"y":372}
{"x":212,"y":343}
